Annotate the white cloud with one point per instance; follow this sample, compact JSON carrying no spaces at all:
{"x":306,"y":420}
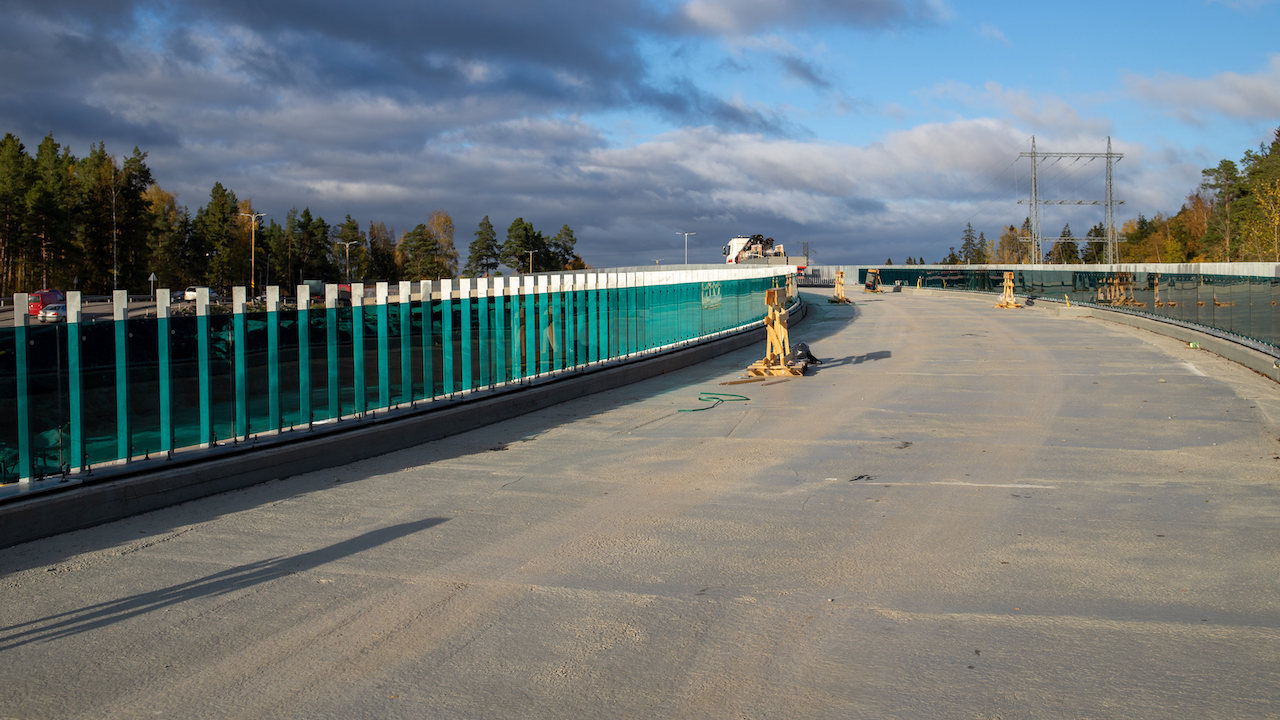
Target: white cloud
{"x":742,"y":17}
{"x":1043,"y":114}
{"x":991,"y":32}
{"x":715,"y":15}
{"x":1249,"y":97}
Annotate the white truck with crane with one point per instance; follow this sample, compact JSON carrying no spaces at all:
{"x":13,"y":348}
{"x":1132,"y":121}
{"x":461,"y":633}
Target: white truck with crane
{"x":759,"y":250}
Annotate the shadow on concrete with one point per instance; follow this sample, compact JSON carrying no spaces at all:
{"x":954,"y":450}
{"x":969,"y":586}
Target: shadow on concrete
{"x":502,"y":432}
{"x":73,"y":622}
{"x":821,"y":320}
{"x":851,"y":360}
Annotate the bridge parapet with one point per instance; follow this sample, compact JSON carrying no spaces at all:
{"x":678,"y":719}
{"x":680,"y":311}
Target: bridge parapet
{"x":1235,"y":301}
{"x":195,"y":375}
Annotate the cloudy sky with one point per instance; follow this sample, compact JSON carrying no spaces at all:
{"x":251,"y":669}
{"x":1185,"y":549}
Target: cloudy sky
{"x":867,"y":128}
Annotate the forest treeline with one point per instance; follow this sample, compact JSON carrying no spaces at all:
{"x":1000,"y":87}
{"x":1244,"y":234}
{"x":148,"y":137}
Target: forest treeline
{"x":1233,"y":216}
{"x":99,"y":223}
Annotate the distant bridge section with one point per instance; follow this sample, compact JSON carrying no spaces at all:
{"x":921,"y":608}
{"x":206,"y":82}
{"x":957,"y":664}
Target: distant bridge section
{"x":1239,"y":302}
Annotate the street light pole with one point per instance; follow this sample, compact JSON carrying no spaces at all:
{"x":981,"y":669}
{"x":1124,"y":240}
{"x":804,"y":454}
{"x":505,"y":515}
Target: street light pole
{"x":686,"y":244}
{"x":253,"y":250}
{"x":348,"y":245}
{"x":115,"y":266}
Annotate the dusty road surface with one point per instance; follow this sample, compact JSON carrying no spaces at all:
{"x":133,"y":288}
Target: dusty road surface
{"x":964,"y":513}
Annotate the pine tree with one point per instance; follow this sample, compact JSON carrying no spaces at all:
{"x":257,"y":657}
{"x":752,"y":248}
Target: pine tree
{"x":1095,"y":248}
{"x":483,"y":252}
{"x":284,"y":251}
{"x":314,"y":261}
{"x":348,"y":250}
{"x":270,"y":241}
{"x":526,"y":249}
{"x":215,"y":226}
{"x":1224,"y":183}
{"x":563,"y":256}
{"x":132,"y":212}
{"x":50,"y":219}
{"x":382,"y":254}
{"x":968,"y":245}
{"x":1064,"y":250}
{"x":418,"y":250}
{"x":17,"y":172}
{"x":167,"y":239}
{"x":427,"y":251}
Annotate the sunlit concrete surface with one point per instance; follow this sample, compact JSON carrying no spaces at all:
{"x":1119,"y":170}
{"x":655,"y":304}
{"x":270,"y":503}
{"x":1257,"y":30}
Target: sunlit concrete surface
{"x":964,"y":512}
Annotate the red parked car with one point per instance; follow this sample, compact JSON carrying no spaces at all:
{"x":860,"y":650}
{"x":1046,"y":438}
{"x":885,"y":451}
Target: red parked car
{"x":38,"y":299}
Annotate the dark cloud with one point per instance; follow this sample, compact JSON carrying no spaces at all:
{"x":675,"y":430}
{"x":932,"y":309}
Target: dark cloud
{"x":389,"y":110}
{"x":77,"y":124}
{"x":559,"y":54}
{"x":804,"y":71}
{"x":40,"y":56}
{"x":561,"y":48}
{"x":684,"y":100}
{"x":101,"y":16}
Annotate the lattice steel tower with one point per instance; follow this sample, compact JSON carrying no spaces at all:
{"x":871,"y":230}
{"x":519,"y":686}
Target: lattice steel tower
{"x":1036,"y":238}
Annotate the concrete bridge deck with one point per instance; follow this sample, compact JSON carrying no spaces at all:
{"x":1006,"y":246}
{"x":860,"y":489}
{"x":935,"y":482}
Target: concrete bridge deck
{"x":964,"y":512}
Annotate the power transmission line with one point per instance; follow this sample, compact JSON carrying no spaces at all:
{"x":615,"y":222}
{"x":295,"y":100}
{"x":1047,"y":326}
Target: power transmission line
{"x":1036,"y":158}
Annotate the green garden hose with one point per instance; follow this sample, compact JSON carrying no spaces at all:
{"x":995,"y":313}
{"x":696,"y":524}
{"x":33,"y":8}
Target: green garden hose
{"x":715,"y":399}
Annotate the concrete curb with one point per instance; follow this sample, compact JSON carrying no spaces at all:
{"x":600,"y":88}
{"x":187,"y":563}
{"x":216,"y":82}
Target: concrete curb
{"x":112,"y":494}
